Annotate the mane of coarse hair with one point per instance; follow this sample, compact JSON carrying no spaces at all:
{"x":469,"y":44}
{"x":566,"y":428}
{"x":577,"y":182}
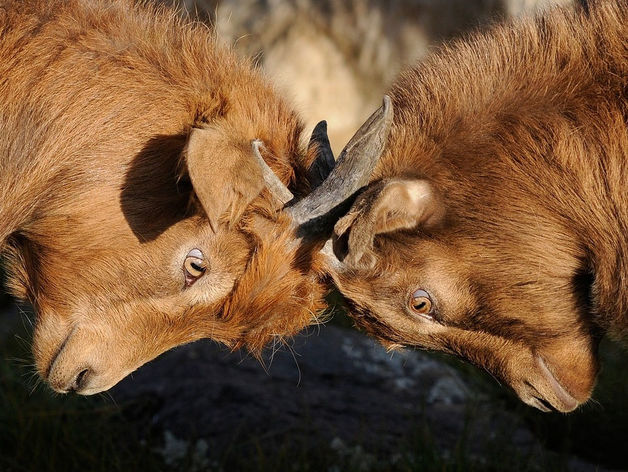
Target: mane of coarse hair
{"x":158,"y":58}
{"x":519,"y":62}
{"x":525,"y":105}
{"x":179,"y":76}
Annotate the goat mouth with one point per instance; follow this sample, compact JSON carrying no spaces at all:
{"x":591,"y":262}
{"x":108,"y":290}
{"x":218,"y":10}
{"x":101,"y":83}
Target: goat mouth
{"x":545,"y":392}
{"x":540,"y":404}
{"x":566,"y":401}
{"x":59,"y":350}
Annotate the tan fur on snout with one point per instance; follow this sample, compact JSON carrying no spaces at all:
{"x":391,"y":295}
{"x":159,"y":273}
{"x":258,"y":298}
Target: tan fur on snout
{"x":521,"y":132}
{"x":125,"y":145}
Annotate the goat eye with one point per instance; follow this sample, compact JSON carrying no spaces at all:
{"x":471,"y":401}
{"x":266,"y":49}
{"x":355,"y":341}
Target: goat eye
{"x":421,"y":303}
{"x":194,"y":266}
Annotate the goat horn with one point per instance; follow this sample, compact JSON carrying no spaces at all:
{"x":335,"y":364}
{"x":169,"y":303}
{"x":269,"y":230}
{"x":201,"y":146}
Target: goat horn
{"x":325,"y":160}
{"x":334,"y":182}
{"x":351,"y":172}
{"x":276,"y":186}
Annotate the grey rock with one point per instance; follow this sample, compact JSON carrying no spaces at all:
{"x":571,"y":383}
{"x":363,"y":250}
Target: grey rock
{"x":332,"y":386}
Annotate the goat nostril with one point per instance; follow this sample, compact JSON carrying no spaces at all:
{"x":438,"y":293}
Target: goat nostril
{"x":79,"y":381}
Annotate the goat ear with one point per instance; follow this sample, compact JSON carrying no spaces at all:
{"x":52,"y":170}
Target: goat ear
{"x":386,"y":206}
{"x":224,"y":174}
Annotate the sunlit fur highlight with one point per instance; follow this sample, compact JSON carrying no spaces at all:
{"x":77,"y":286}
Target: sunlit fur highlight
{"x":522,"y":130}
{"x":97,"y":211}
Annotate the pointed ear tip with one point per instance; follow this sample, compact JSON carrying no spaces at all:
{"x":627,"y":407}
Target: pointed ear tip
{"x":195,"y":130}
{"x":196,"y":138}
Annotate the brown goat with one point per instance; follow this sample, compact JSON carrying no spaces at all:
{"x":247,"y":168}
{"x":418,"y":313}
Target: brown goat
{"x":495,"y":226}
{"x":133,"y":213}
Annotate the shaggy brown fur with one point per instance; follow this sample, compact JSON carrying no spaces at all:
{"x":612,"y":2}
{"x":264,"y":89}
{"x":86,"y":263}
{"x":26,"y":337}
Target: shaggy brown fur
{"x":99,"y":203}
{"x":520,"y":135}
{"x":338,"y":57}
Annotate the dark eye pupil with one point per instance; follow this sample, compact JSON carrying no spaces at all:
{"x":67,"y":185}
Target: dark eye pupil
{"x":197,"y":267}
{"x":419,"y":306}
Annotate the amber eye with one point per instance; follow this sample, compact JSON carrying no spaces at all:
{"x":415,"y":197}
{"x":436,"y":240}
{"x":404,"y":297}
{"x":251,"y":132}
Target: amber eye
{"x":194,"y":266}
{"x":421,"y":303}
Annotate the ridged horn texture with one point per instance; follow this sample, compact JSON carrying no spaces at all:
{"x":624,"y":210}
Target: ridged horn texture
{"x":275,"y":186}
{"x":351,"y":172}
{"x":334,"y":182}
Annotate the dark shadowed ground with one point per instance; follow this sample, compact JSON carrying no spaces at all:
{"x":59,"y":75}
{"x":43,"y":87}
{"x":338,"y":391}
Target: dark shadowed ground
{"x":334,"y":401}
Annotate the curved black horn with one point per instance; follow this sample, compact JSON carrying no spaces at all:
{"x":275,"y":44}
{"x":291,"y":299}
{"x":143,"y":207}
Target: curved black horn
{"x":351,"y":172}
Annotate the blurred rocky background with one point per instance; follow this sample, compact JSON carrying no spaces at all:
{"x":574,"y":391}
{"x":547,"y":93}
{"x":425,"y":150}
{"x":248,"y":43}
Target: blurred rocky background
{"x":333,"y":400}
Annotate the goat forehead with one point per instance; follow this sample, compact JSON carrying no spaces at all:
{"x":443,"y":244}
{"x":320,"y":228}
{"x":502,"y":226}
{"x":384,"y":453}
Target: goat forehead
{"x":119,"y":267}
{"x":474,"y":290}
